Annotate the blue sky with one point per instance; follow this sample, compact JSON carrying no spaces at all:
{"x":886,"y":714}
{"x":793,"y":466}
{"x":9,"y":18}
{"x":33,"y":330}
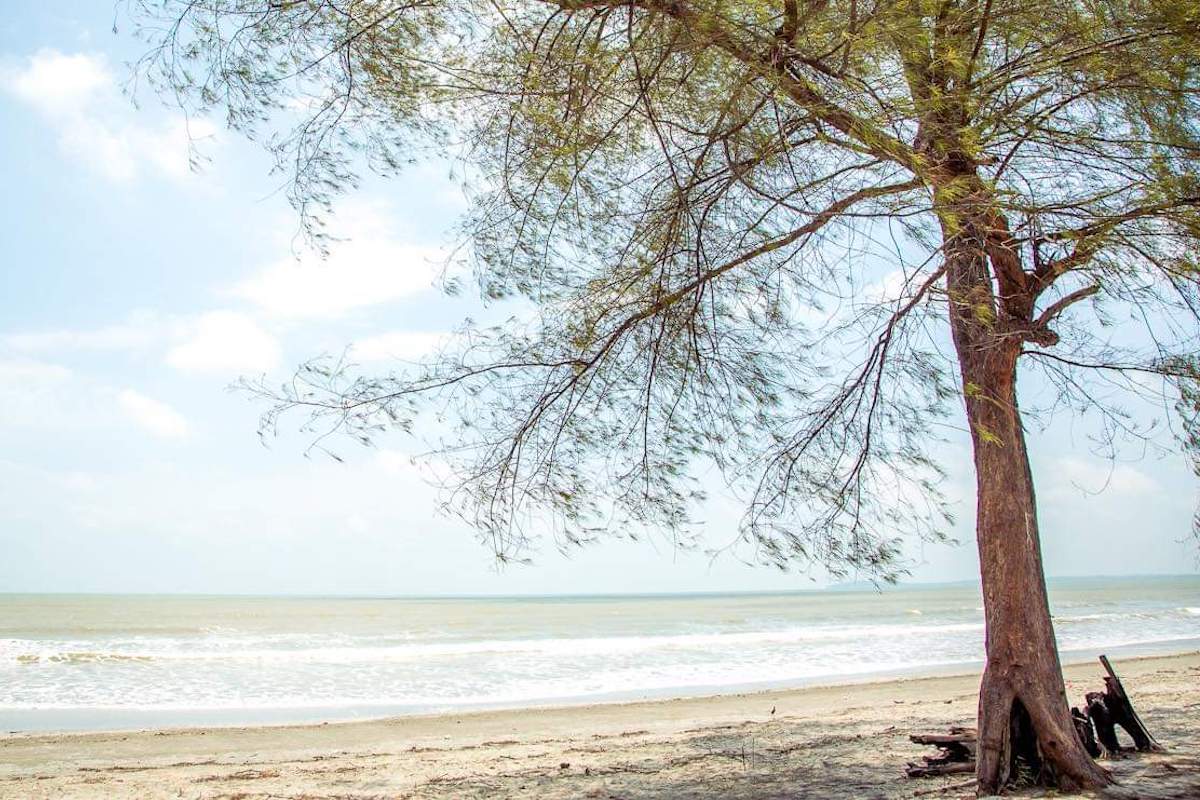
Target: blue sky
{"x":134,"y":290}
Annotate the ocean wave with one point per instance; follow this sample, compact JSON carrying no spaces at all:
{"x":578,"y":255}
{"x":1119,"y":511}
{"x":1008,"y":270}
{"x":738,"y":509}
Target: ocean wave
{"x":417,"y":690}
{"x":1108,"y":615}
{"x":336,"y":648}
{"x":80,"y":657}
{"x":1159,"y":614}
{"x":661,"y":680}
{"x":343,"y":651}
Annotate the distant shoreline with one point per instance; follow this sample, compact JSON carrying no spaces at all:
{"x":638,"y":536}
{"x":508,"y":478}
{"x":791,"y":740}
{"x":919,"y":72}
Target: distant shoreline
{"x":834,"y":741}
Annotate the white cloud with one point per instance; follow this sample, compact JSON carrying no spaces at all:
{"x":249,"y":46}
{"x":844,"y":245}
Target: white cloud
{"x":366,"y":266}
{"x":77,"y":94}
{"x":35,"y":395}
{"x":1072,"y":475}
{"x":890,"y":288}
{"x":32,"y":375}
{"x":393,"y":461}
{"x":214,"y":341}
{"x":56,"y":83}
{"x":140,"y":331}
{"x":155,"y":416}
{"x":420,"y":470}
{"x":224,"y":341}
{"x":397,"y":346}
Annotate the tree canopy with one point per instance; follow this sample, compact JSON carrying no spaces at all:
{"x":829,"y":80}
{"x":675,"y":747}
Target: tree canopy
{"x":729,"y":221}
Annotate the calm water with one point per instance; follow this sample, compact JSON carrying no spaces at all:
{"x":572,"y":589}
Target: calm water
{"x":127,"y":661}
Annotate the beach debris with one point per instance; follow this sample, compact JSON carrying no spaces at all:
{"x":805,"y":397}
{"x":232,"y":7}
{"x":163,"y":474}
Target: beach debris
{"x":1096,"y":727}
{"x":242,"y":775}
{"x":956,"y":753}
{"x":1112,"y":707}
{"x":1087,"y":735}
{"x":950,"y":787}
{"x":936,"y":770}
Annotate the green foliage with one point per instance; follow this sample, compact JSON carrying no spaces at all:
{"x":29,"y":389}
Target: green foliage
{"x":698,"y":196}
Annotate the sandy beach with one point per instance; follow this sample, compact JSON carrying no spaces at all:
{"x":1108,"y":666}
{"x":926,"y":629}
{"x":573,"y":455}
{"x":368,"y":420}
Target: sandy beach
{"x":848,"y":741}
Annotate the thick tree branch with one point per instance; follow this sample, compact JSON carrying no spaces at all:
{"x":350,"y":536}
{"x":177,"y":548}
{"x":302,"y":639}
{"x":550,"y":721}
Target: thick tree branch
{"x":1057,"y":307}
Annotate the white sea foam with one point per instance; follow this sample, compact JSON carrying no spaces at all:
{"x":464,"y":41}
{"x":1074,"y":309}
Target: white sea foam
{"x":314,"y":658}
{"x":294,"y":650}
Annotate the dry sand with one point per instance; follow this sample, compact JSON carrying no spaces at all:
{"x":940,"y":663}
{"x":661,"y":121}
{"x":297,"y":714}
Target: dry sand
{"x":826,"y":742}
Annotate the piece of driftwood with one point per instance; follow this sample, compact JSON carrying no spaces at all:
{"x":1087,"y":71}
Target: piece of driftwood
{"x":934,"y":770}
{"x":1106,"y":732}
{"x":957,"y":745}
{"x":956,"y":753}
{"x":947,"y":788}
{"x":1111,"y":708}
{"x":1122,"y":711}
{"x":1087,"y":734}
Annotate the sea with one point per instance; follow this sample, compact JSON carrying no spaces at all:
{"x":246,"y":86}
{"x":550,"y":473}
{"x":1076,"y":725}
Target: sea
{"x":108,"y":662}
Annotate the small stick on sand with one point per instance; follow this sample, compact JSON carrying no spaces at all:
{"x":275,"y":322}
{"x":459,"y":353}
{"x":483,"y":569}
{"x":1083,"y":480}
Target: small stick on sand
{"x":947,"y":788}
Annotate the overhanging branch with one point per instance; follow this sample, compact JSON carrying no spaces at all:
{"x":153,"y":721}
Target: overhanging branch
{"x":1061,"y":305}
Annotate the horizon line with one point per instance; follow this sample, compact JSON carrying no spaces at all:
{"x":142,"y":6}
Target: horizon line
{"x":848,"y":586}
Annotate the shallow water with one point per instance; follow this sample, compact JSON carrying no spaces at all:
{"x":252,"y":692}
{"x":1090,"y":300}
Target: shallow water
{"x":95,"y":661}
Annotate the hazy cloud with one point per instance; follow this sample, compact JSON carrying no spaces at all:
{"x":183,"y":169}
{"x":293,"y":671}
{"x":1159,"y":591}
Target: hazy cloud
{"x":153,"y":415}
{"x":220,"y":341}
{"x":224,"y":341}
{"x":367,"y":266}
{"x":397,"y":346}
{"x":57,"y":83}
{"x":77,"y":95}
{"x":140,"y":331}
{"x":34,"y":394}
{"x":1073,"y":475}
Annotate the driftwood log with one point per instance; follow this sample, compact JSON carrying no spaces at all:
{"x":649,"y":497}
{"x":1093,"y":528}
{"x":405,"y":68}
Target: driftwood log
{"x":956,"y":753}
{"x":1111,"y":708}
{"x":934,"y":770}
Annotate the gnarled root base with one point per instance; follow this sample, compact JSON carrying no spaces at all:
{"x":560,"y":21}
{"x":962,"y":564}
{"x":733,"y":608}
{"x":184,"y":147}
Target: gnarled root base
{"x":1026,"y":739}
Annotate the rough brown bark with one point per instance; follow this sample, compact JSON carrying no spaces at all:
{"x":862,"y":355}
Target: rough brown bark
{"x":1022,"y":700}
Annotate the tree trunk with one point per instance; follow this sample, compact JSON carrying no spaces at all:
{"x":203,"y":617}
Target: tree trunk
{"x":1023,"y":708}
